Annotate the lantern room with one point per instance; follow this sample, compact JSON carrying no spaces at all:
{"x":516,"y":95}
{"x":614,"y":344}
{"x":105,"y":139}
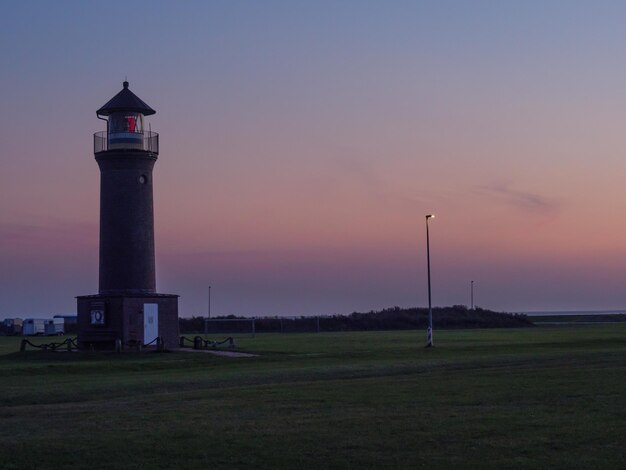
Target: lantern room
{"x":124,"y":115}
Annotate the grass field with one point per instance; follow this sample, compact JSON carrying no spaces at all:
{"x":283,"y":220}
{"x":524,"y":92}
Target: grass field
{"x":522,"y":398}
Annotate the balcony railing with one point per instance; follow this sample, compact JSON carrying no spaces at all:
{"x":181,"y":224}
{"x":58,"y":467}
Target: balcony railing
{"x":147,"y":141}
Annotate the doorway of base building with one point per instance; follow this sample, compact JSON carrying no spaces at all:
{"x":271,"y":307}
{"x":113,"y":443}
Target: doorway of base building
{"x":150,"y":322}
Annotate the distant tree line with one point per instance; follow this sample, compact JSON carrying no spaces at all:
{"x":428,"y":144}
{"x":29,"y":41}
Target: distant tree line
{"x":395,"y":318}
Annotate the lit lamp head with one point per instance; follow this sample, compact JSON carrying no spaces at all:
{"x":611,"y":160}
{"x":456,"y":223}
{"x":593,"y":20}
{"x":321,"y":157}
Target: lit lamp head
{"x":430,"y":216}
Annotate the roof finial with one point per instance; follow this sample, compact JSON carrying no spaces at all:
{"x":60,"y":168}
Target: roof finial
{"x":125,"y":82}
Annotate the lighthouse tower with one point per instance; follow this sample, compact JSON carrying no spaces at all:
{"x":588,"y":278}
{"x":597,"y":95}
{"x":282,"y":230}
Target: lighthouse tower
{"x":127,"y":309}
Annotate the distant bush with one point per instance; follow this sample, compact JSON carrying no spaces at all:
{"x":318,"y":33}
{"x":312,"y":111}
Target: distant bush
{"x":394,"y":318}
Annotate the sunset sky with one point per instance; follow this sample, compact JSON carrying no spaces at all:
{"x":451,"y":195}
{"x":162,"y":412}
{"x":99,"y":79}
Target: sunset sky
{"x":303,"y":142}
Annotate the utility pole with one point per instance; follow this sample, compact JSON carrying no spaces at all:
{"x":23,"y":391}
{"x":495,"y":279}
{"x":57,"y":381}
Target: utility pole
{"x":206,"y":322}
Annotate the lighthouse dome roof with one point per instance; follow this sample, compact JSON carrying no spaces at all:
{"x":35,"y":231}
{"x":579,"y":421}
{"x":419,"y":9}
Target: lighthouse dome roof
{"x":125,"y":100}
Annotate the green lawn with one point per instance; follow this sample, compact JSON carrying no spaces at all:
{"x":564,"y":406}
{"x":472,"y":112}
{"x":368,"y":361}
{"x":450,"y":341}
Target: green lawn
{"x":523,"y":398}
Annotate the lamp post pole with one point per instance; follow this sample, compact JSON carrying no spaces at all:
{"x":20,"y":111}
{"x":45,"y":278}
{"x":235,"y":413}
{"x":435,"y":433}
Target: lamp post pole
{"x":429,"y":334}
{"x":472,"y":295}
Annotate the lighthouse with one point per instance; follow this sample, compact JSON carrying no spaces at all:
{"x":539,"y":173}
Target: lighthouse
{"x":127,"y":309}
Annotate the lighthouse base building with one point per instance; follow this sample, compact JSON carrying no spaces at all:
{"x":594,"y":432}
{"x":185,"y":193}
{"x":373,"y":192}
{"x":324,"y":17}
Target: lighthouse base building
{"x":131,"y":319}
{"x":127,"y":311}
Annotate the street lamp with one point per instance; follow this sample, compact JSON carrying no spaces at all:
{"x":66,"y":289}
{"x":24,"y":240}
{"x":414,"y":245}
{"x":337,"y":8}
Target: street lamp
{"x":429,"y":334}
{"x":472,"y":295}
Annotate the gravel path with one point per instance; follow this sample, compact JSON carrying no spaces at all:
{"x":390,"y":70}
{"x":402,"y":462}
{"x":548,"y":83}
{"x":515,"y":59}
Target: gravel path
{"x":217,"y":352}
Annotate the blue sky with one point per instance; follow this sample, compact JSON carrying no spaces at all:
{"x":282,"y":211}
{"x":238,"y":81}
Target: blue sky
{"x":302,"y":143}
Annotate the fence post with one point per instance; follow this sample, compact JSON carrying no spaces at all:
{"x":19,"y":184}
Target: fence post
{"x":23,"y":345}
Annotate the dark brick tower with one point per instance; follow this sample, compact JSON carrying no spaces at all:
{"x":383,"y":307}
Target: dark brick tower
{"x":127,"y":309}
{"x":126,"y":155}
